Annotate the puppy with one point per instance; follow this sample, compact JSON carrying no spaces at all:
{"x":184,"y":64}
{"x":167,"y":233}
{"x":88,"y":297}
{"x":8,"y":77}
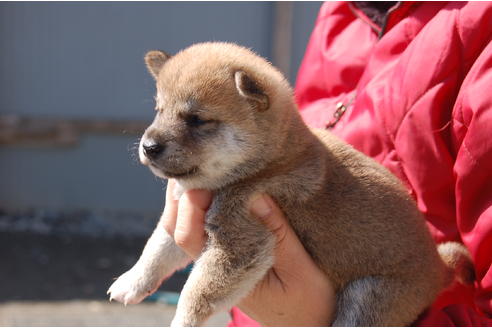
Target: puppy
{"x":226,"y":121}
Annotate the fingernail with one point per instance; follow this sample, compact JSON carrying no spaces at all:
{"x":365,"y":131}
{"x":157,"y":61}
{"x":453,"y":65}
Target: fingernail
{"x":177,"y":192}
{"x":260,"y":206}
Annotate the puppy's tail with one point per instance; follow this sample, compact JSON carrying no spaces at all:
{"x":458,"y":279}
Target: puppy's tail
{"x":459,"y":262}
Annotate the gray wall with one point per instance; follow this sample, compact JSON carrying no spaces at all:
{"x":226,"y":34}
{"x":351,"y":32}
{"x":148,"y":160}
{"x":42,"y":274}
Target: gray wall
{"x":84,"y":60}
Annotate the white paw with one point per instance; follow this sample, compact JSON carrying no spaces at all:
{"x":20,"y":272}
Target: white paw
{"x":179,"y":322}
{"x":131,"y":288}
{"x":176,"y":323}
{"x":185,"y":319}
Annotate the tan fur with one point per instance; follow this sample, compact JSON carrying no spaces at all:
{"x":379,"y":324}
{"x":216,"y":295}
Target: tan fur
{"x":354,"y":218}
{"x":458,"y":261}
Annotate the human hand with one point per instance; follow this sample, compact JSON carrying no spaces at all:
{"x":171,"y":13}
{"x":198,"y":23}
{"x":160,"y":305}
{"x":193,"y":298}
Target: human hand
{"x":294,"y":292}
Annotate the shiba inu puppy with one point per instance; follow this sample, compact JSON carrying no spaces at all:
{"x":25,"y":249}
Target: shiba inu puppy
{"x":226,"y":121}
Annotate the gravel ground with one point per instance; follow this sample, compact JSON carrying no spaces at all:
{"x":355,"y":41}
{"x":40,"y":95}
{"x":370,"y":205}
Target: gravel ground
{"x":92,"y":313}
{"x":69,"y":255}
{"x":41,"y":267}
{"x":55,"y":270}
{"x":87,"y":223}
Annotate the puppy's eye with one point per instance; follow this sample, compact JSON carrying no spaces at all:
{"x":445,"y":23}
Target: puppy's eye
{"x":195,"y":121}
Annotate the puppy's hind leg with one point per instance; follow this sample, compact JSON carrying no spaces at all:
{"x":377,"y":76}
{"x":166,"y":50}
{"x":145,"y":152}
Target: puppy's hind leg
{"x":378,"y":301}
{"x":219,"y":281}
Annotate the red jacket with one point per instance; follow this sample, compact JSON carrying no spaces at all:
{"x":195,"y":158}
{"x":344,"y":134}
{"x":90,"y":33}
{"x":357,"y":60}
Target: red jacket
{"x":418,"y":98}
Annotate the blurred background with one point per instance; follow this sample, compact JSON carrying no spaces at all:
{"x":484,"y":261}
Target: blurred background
{"x":76,"y":207}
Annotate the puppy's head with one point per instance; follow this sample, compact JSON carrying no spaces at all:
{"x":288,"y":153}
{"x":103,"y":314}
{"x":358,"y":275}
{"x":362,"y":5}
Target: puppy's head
{"x":218,"y":111}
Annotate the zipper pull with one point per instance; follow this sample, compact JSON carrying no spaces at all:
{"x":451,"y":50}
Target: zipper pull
{"x":340,"y":110}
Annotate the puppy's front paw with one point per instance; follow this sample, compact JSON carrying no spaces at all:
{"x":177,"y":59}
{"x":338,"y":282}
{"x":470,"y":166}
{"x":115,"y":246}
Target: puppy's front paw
{"x":180,"y":322}
{"x":131,"y":288}
{"x":187,"y":318}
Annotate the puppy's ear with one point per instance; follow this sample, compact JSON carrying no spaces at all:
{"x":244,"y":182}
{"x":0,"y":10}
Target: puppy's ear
{"x":249,"y":89}
{"x":154,"y":60}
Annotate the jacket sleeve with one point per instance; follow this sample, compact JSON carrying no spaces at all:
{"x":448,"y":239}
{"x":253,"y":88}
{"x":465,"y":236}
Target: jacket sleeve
{"x":472,"y":132}
{"x":453,"y":316}
{"x":472,"y":141}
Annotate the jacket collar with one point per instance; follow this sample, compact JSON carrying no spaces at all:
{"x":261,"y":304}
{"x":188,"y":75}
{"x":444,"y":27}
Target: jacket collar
{"x":389,"y":19}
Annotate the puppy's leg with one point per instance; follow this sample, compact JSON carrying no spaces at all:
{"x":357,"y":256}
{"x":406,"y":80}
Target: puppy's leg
{"x":159,"y":259}
{"x":379,"y":301}
{"x":219,"y":280}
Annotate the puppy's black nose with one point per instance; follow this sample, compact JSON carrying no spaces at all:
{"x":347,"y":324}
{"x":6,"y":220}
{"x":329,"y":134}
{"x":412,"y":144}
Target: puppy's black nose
{"x":152,"y":149}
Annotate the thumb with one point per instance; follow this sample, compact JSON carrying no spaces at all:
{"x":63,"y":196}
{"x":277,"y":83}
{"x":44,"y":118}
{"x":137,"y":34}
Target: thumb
{"x":292,"y":262}
{"x":268,"y":213}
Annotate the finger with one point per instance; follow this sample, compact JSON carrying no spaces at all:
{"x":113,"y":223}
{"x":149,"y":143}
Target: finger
{"x":288,"y":245}
{"x":264,"y":209}
{"x":171,"y":208}
{"x":189,"y":233}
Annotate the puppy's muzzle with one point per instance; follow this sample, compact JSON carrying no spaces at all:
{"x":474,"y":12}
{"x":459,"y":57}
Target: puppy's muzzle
{"x":152,"y":149}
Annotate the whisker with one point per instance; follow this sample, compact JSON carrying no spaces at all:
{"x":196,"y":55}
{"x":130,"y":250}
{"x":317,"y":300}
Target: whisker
{"x":133,"y":150}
